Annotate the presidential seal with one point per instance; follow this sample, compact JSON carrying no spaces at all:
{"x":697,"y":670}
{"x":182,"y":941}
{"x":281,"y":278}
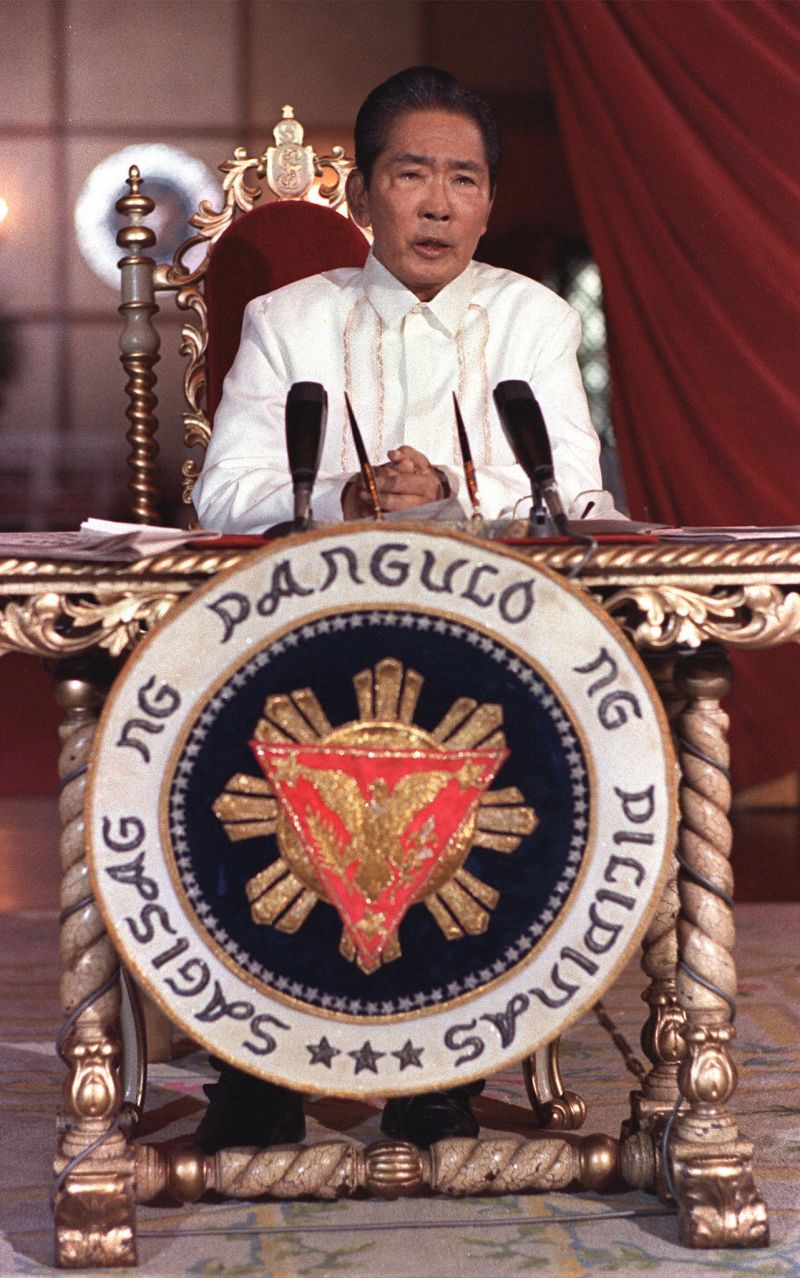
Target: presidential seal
{"x":380,"y":810}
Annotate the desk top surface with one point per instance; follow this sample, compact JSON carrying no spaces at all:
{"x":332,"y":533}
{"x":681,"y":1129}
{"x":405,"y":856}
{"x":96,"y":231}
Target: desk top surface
{"x":744,"y":593}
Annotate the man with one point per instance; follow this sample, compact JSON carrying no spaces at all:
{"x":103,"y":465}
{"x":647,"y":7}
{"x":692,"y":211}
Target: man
{"x":420,"y":321}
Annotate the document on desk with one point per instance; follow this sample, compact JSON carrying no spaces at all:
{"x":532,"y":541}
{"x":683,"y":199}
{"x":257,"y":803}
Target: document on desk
{"x":668,"y":532}
{"x":101,"y":539}
{"x":741,"y":532}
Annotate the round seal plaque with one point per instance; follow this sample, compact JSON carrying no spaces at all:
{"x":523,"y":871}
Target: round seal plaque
{"x":380,"y":810}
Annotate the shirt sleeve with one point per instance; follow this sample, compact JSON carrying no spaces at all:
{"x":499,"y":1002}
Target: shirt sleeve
{"x":557,"y":384}
{"x":244,"y":486}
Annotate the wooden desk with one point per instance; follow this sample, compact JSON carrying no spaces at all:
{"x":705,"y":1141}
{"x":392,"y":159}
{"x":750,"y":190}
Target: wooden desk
{"x":682,"y":605}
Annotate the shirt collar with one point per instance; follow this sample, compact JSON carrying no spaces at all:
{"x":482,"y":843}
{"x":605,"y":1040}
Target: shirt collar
{"x":393,"y":301}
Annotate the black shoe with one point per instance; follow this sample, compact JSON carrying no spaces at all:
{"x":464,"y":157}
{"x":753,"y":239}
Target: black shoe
{"x":243,"y":1110}
{"x":430,"y":1117}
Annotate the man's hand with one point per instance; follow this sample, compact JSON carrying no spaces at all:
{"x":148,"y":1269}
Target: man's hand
{"x":405,"y":481}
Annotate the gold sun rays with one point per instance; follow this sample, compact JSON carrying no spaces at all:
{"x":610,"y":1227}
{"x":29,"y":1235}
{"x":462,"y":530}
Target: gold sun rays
{"x":286,"y":891}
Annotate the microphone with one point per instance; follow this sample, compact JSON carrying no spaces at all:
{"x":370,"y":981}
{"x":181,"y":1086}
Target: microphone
{"x":306,"y":414}
{"x":526,"y":432}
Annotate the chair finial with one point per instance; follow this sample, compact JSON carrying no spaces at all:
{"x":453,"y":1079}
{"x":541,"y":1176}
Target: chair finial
{"x":135,"y":207}
{"x":289,"y":165}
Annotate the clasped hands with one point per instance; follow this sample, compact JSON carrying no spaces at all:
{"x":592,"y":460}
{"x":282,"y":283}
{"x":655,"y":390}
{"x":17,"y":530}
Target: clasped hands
{"x":405,"y":481}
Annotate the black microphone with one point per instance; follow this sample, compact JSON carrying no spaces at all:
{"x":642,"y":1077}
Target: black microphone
{"x":526,"y":432}
{"x":306,"y":414}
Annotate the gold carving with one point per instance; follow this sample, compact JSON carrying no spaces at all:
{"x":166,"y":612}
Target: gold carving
{"x":718,"y":1203}
{"x":120,"y":619}
{"x":193,"y":347}
{"x":707,"y":1075}
{"x":639,"y":1155}
{"x":759,"y":615}
{"x":51,"y":624}
{"x":289,"y":165}
{"x":395,"y":1169}
{"x":92,"y":1089}
{"x":34,"y":627}
{"x":95,"y":1222}
{"x":663,"y":1044}
{"x":599,"y":1162}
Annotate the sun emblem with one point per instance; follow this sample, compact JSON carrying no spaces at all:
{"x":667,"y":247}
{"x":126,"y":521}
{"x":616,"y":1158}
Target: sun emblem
{"x":377,"y":814}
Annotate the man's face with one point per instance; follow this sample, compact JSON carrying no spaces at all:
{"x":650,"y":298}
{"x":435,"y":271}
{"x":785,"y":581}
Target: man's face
{"x":428,"y":201}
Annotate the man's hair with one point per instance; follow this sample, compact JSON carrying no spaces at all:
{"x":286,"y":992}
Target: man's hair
{"x":420,"y":89}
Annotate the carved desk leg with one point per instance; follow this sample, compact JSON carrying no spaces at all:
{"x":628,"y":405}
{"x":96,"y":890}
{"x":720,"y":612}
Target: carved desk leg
{"x":93,"y":1192}
{"x":661,"y":1038}
{"x":718,"y":1202}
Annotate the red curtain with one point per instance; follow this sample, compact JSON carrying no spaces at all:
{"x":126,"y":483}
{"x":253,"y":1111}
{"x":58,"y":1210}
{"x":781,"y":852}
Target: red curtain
{"x":682,"y":127}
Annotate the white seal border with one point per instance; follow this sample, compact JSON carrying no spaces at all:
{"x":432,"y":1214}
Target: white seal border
{"x":340,"y":1080}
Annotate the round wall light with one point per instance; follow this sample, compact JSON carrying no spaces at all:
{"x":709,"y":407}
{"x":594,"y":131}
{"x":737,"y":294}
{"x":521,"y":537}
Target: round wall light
{"x":177,"y":182}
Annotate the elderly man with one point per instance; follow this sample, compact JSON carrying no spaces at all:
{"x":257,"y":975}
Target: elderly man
{"x":421,"y":320}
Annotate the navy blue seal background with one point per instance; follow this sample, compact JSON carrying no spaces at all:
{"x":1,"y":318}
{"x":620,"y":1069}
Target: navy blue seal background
{"x":546,"y":763}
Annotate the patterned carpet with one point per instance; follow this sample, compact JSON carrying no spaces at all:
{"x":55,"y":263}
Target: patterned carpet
{"x":555,"y":1236}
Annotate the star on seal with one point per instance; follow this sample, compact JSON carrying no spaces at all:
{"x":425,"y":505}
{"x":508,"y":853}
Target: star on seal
{"x":322,"y":1053}
{"x":409,"y":1055}
{"x":366,"y":1058}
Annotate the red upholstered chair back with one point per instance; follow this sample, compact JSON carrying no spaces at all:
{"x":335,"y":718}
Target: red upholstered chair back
{"x":273,"y":245}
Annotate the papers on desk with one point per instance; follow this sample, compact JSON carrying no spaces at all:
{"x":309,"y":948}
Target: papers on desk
{"x":741,"y":532}
{"x":664,"y":532}
{"x":112,"y":542}
{"x":100,"y":539}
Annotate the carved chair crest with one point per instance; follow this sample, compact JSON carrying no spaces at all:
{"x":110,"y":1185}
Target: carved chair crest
{"x":285,"y":171}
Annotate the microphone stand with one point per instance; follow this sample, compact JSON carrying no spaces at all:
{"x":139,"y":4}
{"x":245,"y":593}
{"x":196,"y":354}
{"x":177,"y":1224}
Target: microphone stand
{"x":526,"y":431}
{"x":540,"y":523}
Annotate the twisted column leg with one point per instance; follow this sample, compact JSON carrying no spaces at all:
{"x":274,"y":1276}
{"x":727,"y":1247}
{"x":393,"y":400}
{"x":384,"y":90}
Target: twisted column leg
{"x":661,"y":1038}
{"x":93,"y":1192}
{"x":718,"y":1202}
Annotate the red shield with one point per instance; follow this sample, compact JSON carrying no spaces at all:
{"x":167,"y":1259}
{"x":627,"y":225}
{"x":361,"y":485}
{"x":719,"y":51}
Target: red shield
{"x":376,"y":823}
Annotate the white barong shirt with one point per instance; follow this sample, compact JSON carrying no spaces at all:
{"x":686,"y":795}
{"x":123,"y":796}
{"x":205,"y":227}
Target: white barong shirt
{"x":400,"y":361}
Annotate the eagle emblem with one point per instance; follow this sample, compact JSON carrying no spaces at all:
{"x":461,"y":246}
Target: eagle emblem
{"x":376,"y":815}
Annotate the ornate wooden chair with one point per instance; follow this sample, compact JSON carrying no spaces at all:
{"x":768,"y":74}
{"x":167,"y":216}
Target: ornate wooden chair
{"x":269,"y":232}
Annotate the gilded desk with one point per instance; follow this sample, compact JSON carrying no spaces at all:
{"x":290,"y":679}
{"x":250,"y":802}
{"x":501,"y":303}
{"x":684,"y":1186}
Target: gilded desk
{"x":682,"y":604}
